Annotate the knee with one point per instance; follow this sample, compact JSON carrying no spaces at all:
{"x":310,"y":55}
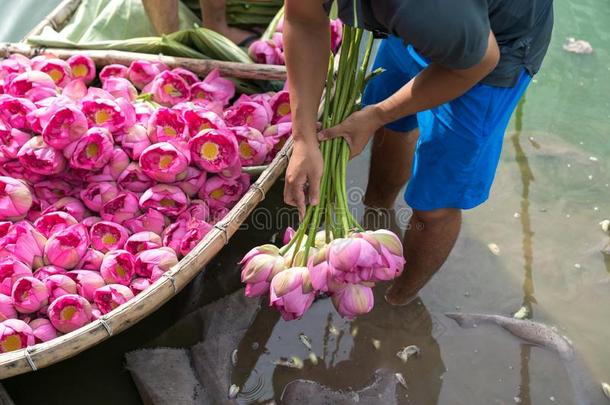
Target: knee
{"x":438,"y":216}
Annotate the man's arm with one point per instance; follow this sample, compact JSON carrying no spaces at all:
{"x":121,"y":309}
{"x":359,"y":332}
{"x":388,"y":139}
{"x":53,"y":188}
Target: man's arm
{"x":307,"y":49}
{"x":163,"y":15}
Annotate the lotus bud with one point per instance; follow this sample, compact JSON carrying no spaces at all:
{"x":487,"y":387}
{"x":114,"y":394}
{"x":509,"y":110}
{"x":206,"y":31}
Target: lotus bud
{"x":214,"y":150}
{"x":53,"y":222}
{"x":291,"y":292}
{"x":198,"y":210}
{"x":93,"y":151}
{"x":111,"y":296}
{"x":143,"y":113}
{"x":67,"y":124}
{"x":107,"y":236}
{"x":389,"y":247}
{"x":152,"y":220}
{"x":46,"y":271}
{"x":280,"y":105}
{"x":252,"y":146}
{"x":347,"y":254}
{"x":15,"y":199}
{"x":69,"y":312}
{"x":134,"y":179}
{"x":153,"y":263}
{"x":118,"y":267}
{"x":217,"y":213}
{"x":288,"y":235}
{"x":11,"y":141}
{"x":163,"y":162}
{"x":195,"y":232}
{"x":66,"y":248}
{"x":319,"y":270}
{"x":262,"y":267}
{"x":57,"y":69}
{"x":276,"y":136}
{"x":33,"y":85}
{"x":139,"y":284}
{"x":353,"y":300}
{"x":166,"y":125}
{"x":135,"y":141}
{"x":189,"y":77}
{"x":247,"y":113}
{"x":69,"y":205}
{"x":214,"y":88}
{"x":14,"y":65}
{"x":104,"y":113}
{"x":173,"y":235}
{"x":142,"y":72}
{"x":52,"y":190}
{"x":37,"y":156}
{"x":120,"y":88}
{"x":29,"y":295}
{"x":7,"y":309}
{"x":168,"y":200}
{"x":121,"y":208}
{"x":219,"y":191}
{"x":15,"y":112}
{"x":141,"y":241}
{"x":58,"y":285}
{"x":82,"y":67}
{"x":113,"y":70}
{"x":98,"y":194}
{"x":16,"y":170}
{"x":25,"y":243}
{"x":191,"y":181}
{"x":266,"y":52}
{"x":257,"y":289}
{"x":336,"y":34}
{"x":199,"y":119}
{"x":169,"y":89}
{"x":87,"y":281}
{"x":14,"y":335}
{"x":43,"y":330}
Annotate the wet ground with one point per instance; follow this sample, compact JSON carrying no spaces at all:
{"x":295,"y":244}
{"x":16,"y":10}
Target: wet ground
{"x":535,"y":244}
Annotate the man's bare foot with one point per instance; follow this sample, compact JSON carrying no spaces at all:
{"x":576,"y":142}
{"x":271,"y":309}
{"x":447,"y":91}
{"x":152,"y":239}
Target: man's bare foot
{"x":398,"y":295}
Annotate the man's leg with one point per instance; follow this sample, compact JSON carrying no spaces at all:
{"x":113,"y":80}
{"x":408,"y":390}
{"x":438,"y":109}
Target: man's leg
{"x":427,"y":243}
{"x":163,"y":15}
{"x":214,"y":17}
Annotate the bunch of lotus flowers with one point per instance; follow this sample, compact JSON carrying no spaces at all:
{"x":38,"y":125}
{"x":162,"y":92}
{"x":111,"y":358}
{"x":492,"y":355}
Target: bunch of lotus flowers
{"x":104,"y":189}
{"x":269,"y":49}
{"x":342,"y":260}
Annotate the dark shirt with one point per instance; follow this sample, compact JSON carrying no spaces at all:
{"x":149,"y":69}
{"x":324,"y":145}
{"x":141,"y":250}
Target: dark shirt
{"x":454,"y":33}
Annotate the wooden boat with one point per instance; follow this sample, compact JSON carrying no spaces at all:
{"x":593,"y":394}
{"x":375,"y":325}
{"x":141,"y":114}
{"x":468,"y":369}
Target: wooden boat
{"x":145,"y":303}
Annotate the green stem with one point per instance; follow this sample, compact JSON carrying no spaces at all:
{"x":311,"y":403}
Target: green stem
{"x":273,"y":25}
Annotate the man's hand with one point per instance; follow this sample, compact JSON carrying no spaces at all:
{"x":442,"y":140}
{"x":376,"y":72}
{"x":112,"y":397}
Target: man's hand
{"x":357,"y":129}
{"x":303,"y":175}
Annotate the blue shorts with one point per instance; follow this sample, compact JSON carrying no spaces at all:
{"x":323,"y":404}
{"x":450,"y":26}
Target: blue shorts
{"x":459,"y":142}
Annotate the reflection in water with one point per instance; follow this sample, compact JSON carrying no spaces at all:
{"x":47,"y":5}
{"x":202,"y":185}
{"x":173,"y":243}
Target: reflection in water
{"x":528,"y":253}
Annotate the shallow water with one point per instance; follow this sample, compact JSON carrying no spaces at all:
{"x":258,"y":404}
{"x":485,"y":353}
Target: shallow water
{"x":543,"y":215}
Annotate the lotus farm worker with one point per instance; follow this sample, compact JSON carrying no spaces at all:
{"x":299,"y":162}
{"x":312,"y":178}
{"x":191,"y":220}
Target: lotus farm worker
{"x":454,"y":72}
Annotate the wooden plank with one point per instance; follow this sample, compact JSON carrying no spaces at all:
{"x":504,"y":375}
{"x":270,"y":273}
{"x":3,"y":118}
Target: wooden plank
{"x":57,"y":19}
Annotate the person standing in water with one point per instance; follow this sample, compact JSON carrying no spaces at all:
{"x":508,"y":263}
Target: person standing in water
{"x":453,"y":75}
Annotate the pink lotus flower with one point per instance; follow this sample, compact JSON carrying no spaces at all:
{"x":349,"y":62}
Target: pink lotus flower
{"x":37,"y":156}
{"x":15,"y":199}
{"x":118,"y":163}
{"x":43,"y":330}
{"x":93,"y":151}
{"x":10,"y":271}
{"x":113,"y":70}
{"x":141,"y":241}
{"x":139,"y":284}
{"x":389,"y":247}
{"x":66,"y":248}
{"x":14,"y":335}
{"x":191,"y":181}
{"x":135,"y":140}
{"x":353,"y":259}
{"x":69,"y":205}
{"x":69,"y":312}
{"x":87,"y":281}
{"x":166,"y":125}
{"x":189,"y":77}
{"x":29,"y":295}
{"x":33,"y":85}
{"x":15,"y":111}
{"x":214,"y":88}
{"x":46,"y":271}
{"x":134,"y":179}
{"x":121,"y":208}
{"x":58,"y":285}
{"x":25,"y":243}
{"x":163,"y":162}
{"x":13,"y":65}
{"x":11,"y":140}
{"x":97,"y":194}
{"x":111,"y":296}
{"x":195,"y":232}
{"x":280,"y":105}
{"x":152,"y":220}
{"x":57,"y":69}
{"x":214,"y":150}
{"x":82,"y":67}
{"x":353,"y":300}
{"x":199,"y":119}
{"x":257,"y":289}
{"x":169,"y":88}
{"x":261,"y":267}
{"x":142,"y":72}
{"x":291,"y":292}
{"x":267,"y":52}
{"x":217,"y":213}
{"x":118,"y":267}
{"x":107,"y":236}
{"x":103,"y":113}
{"x":319,"y":270}
{"x":288,"y":235}
{"x":53,"y":222}
{"x":153,"y":263}
{"x":91,"y":260}
{"x":253,"y":147}
{"x":336,"y":34}
{"x":7,"y":310}
{"x":219,"y":191}
{"x":198,"y":209}
{"x":120,"y":88}
{"x":168,"y":200}
{"x":15,"y":169}
{"x":143,"y":112}
{"x":36,"y":210}
{"x":52,"y":190}
{"x":173,"y":235}
{"x":247,"y":113}
{"x":75,"y":91}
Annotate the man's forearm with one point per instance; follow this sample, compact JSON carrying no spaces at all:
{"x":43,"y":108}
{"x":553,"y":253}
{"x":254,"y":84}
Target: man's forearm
{"x":163,"y":15}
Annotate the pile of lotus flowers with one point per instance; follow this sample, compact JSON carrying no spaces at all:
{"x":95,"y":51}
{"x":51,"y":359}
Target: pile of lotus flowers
{"x":341,"y":260}
{"x":103,"y":189}
{"x":269,"y":49}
